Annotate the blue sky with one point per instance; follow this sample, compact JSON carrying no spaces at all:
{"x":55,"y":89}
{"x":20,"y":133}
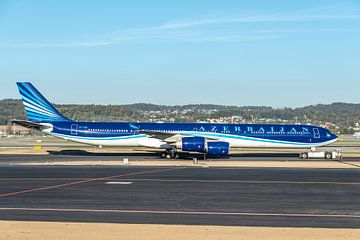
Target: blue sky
{"x":274,"y":53}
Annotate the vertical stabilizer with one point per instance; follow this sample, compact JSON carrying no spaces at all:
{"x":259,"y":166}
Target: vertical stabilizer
{"x":37,"y":108}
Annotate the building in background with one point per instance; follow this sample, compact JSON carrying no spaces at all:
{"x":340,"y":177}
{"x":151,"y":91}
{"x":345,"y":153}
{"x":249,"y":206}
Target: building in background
{"x":10,"y":130}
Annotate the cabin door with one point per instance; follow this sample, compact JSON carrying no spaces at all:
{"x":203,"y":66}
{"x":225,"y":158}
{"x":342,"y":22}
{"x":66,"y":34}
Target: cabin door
{"x":74,"y":129}
{"x":316,"y":133}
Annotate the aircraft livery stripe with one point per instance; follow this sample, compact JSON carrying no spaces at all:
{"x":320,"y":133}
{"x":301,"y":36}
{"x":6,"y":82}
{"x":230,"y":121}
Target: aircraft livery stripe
{"x":37,"y":103}
{"x":36,"y":106}
{"x":39,"y":113}
{"x":203,"y":134}
{"x":223,"y":136}
{"x":29,"y":101}
{"x":25,"y":92}
{"x":100,"y":138}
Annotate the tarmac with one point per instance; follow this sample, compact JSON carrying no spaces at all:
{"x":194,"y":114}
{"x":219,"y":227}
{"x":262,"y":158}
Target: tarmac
{"x":224,"y":196}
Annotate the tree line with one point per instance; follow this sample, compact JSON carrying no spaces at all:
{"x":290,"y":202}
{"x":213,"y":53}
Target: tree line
{"x":342,"y":115}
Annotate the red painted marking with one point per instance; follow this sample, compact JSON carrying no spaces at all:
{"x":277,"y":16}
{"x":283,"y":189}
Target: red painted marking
{"x":86,"y":181}
{"x":181,"y":212}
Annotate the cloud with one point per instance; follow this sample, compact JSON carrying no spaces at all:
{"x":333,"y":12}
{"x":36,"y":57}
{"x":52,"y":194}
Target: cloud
{"x":337,"y":11}
{"x":302,"y":30}
{"x":195,"y":37}
{"x":214,"y":29}
{"x":254,"y":19}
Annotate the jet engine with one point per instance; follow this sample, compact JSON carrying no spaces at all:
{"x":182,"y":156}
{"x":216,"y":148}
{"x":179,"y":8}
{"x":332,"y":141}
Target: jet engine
{"x":199,"y":144}
{"x":193,"y":144}
{"x":218,"y":148}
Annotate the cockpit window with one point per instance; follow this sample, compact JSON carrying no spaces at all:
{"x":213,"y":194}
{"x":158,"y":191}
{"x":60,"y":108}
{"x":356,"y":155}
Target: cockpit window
{"x":328,"y":134}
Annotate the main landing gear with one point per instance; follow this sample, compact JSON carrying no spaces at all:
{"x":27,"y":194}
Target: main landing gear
{"x":170,"y":153}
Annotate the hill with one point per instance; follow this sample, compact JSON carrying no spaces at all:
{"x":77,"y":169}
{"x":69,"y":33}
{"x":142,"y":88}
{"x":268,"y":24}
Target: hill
{"x":340,"y":116}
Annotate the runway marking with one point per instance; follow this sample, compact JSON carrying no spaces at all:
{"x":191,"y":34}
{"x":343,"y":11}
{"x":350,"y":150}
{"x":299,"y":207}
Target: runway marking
{"x":185,"y":180}
{"x":237,"y":181}
{"x":120,"y":183}
{"x":347,"y":163}
{"x":182,"y":212}
{"x":88,"y":180}
{"x":43,"y":179}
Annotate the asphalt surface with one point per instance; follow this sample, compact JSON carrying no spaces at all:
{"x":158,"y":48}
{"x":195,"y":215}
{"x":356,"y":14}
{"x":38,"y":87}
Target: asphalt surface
{"x":178,"y":195}
{"x":82,"y":155}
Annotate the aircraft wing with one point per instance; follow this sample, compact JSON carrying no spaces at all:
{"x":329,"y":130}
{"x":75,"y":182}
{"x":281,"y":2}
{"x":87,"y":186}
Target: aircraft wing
{"x":171,"y":137}
{"x":168,"y":136}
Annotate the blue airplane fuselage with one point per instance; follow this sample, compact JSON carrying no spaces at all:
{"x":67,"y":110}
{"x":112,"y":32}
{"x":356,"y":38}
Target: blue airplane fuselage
{"x":238,"y":135}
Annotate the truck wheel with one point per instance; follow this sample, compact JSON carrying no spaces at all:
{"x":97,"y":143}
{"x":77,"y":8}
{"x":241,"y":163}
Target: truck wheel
{"x":328,"y":155}
{"x":303,"y":155}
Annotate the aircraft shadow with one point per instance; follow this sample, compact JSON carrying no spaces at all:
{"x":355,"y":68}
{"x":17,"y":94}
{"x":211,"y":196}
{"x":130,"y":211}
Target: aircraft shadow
{"x":144,"y":154}
{"x":182,"y":155}
{"x":265,"y":155}
{"x":86,"y":153}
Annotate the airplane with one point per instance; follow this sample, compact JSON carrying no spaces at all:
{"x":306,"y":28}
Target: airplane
{"x":212,"y":139}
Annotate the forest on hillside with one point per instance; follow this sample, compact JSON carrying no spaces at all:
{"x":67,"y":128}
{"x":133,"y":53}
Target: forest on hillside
{"x":342,"y":116}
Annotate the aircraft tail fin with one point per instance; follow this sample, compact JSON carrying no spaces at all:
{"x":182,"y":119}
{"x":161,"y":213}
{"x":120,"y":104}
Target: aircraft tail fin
{"x":37,"y":108}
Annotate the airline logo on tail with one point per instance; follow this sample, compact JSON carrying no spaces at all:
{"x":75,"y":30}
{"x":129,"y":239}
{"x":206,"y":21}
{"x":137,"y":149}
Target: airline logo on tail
{"x":37,"y":108}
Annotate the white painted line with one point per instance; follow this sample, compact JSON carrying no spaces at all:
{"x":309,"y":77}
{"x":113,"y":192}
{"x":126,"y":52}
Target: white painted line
{"x":121,"y":183}
{"x":182,"y":212}
{"x":10,"y":147}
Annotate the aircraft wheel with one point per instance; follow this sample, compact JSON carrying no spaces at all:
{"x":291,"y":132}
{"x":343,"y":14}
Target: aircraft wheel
{"x":168,"y":156}
{"x":176,"y":156}
{"x":328,"y":155}
{"x":163,"y":155}
{"x":303,"y":155}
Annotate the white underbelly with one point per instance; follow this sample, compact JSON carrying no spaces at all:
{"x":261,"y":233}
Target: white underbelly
{"x":123,"y":141}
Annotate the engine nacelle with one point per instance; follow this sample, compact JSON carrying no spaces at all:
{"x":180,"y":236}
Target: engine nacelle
{"x":218,"y":148}
{"x":199,"y":144}
{"x":193,"y":144}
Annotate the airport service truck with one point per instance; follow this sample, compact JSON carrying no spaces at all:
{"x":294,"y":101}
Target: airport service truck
{"x":334,"y":154}
{"x":357,"y":135}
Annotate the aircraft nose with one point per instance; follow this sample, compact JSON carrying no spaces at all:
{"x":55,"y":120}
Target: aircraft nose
{"x":334,"y":137}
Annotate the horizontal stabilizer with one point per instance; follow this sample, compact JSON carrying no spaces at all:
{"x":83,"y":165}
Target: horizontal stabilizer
{"x":31,"y":125}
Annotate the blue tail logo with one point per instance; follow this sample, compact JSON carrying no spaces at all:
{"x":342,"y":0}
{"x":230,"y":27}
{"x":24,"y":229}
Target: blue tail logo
{"x":38,"y":109}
